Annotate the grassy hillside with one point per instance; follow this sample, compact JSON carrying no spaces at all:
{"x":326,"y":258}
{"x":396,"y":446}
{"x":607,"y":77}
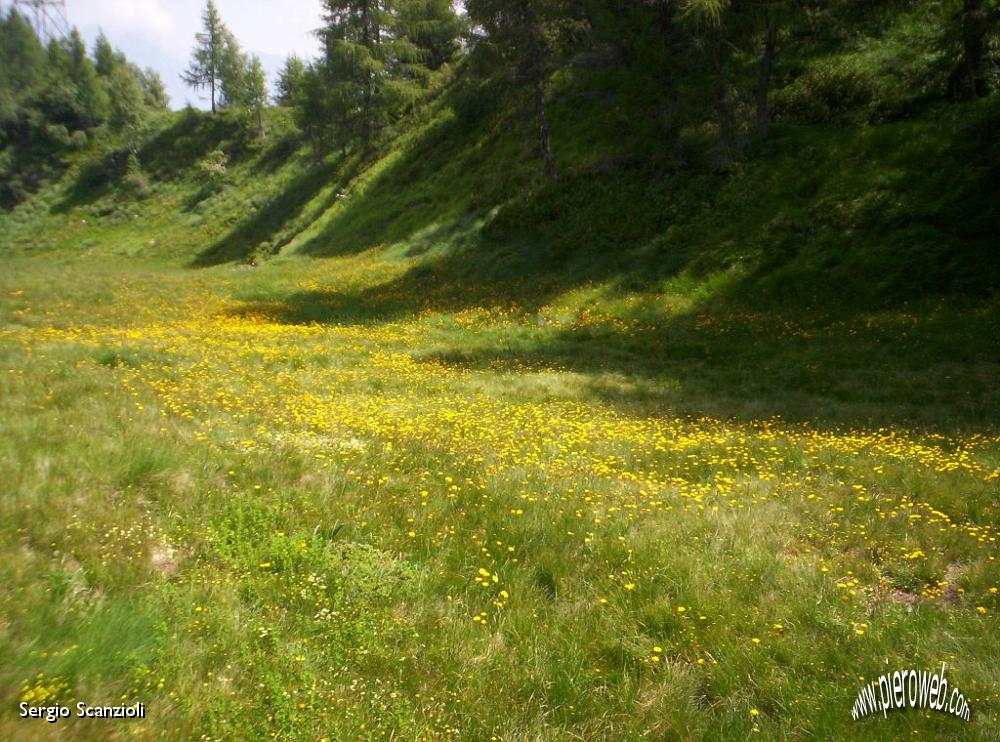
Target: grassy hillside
{"x":844,"y":233}
{"x":423,"y":447}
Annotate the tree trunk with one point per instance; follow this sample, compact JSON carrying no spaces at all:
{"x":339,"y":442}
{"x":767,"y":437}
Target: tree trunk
{"x":537,"y":66}
{"x":674,"y":141}
{"x":723,"y":114}
{"x":366,"y":113}
{"x":544,"y":138}
{"x":973,"y":37}
{"x":213,"y":93}
{"x":764,"y":83}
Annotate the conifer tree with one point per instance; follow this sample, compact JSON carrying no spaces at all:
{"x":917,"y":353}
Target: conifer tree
{"x":105,"y":58}
{"x":434,"y":27}
{"x":290,"y":81}
{"x":71,"y":94}
{"x":370,"y":66}
{"x":127,"y":103}
{"x":154,"y":91}
{"x":22,"y":61}
{"x":50,"y":96}
{"x":233,"y":68}
{"x":975,"y":31}
{"x":207,"y":57}
{"x":256,"y":93}
{"x":92,"y":99}
{"x":315,"y":112}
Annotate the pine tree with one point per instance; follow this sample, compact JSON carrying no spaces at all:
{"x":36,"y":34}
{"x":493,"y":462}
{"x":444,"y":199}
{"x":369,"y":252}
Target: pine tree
{"x":71,"y":94}
{"x":105,"y":58}
{"x":154,"y":91}
{"x":315,"y":112}
{"x":233,"y":68}
{"x":207,"y":57}
{"x":434,"y":27}
{"x":737,"y":44}
{"x":49,"y":96}
{"x":371,"y":68}
{"x":22,"y":55}
{"x":92,"y":98}
{"x":975,"y":31}
{"x":256,"y":93}
{"x":290,"y":81}
{"x":767,"y":25}
{"x":127,"y":103}
{"x":22,"y":61}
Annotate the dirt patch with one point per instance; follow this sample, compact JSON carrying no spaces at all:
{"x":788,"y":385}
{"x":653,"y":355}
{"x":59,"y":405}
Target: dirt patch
{"x":904,"y":597}
{"x":951,"y":575}
{"x":163,"y":559}
{"x":948,"y":595}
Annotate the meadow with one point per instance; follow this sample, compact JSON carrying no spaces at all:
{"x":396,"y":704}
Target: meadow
{"x":415,"y":444}
{"x":301,"y":501}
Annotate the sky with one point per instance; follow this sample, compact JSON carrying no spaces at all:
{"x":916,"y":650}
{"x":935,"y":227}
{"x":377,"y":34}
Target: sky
{"x":160,"y":33}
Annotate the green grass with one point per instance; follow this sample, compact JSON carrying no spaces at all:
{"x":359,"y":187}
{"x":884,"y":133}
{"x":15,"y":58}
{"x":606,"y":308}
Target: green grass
{"x":261,"y":527}
{"x":645,"y":453}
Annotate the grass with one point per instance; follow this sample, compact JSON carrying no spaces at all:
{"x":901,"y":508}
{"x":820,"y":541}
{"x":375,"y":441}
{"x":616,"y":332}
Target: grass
{"x":486,"y":521}
{"x":646,"y":453}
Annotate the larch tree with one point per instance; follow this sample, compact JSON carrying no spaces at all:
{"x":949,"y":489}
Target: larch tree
{"x":256,"y":93}
{"x":435,"y":28}
{"x":91,"y":95}
{"x":22,"y":61}
{"x":233,"y":68}
{"x":975,"y":30}
{"x":206,"y":64}
{"x":369,"y":64}
{"x":316,"y":112}
{"x":127,"y":103}
{"x":105,"y":57}
{"x":290,"y":80}
{"x":72,"y":94}
{"x":154,"y":91}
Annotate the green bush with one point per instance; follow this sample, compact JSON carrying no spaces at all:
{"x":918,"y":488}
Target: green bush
{"x":135,"y":183}
{"x":214,"y":166}
{"x":78,"y":139}
{"x":829,"y":91}
{"x":58,"y":135}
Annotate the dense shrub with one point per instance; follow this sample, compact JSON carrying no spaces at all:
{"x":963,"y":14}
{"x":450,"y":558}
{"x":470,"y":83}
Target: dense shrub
{"x":829,"y":91}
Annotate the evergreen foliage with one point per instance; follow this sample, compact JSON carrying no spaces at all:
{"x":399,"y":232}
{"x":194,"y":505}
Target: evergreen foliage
{"x":525,"y":40}
{"x":207,"y":59}
{"x":255,"y":94}
{"x":234,"y":79}
{"x":378,"y":58}
{"x":52,"y":95}
{"x":290,"y":81}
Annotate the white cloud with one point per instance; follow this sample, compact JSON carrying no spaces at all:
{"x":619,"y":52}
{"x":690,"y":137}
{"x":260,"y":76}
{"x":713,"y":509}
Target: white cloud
{"x":276,"y":28}
{"x":147,"y":18}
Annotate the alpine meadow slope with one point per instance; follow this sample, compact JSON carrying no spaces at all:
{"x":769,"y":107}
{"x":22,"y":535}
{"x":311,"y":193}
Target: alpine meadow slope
{"x":406,"y":439}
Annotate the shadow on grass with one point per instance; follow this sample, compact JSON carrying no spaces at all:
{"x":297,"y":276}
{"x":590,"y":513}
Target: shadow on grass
{"x":170,"y":155}
{"x":936,"y":365}
{"x":475,"y":273}
{"x":176,"y":150}
{"x":266,"y":226}
{"x":930,"y":368}
{"x":831,"y":234}
{"x":447,"y":170}
{"x":95,"y":180}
